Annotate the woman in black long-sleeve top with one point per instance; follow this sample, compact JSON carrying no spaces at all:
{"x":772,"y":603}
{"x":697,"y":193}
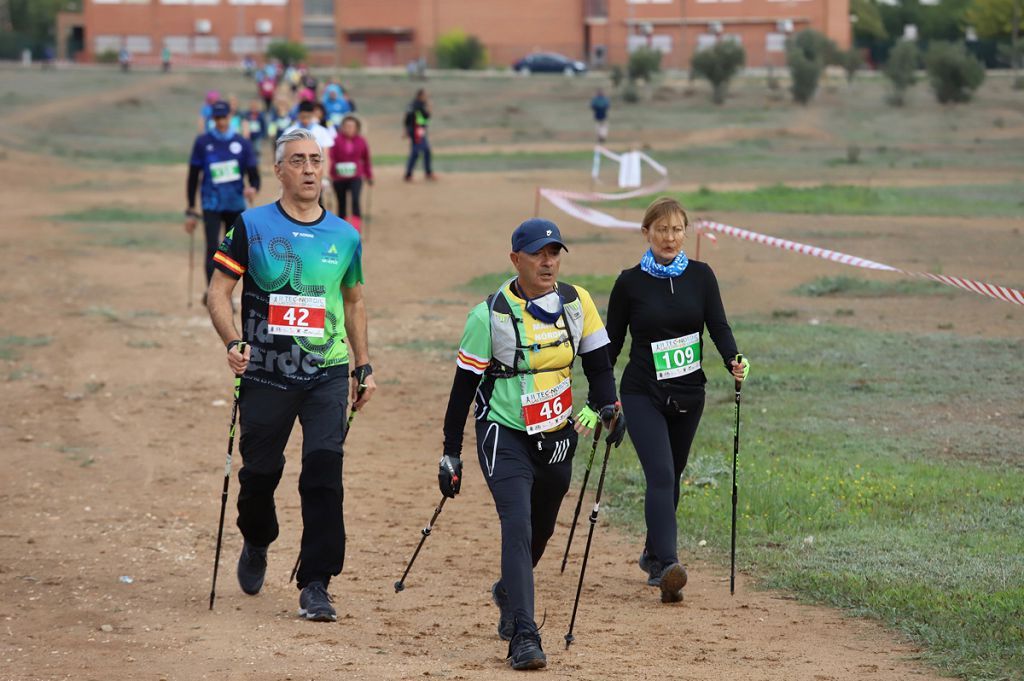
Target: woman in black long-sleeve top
{"x":666,"y":302}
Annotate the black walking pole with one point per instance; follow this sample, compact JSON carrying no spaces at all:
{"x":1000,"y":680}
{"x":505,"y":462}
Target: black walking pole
{"x":569,"y":638}
{"x":583,"y":489}
{"x":400,"y":584}
{"x":351,"y":417}
{"x":735,"y":494}
{"x":227,"y":477}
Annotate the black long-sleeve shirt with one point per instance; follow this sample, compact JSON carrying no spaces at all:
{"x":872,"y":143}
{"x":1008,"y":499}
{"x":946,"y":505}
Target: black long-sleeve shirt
{"x":661,"y":309}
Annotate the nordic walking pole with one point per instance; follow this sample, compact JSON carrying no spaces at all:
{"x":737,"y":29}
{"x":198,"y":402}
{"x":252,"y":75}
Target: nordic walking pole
{"x":227,"y":477}
{"x":569,"y":638}
{"x":400,"y":584}
{"x":191,"y":264}
{"x":735,"y":455}
{"x":348,"y":425}
{"x":583,"y":489}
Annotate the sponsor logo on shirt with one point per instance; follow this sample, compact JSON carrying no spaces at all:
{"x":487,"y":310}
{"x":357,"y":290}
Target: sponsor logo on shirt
{"x":304,"y":235}
{"x":235,"y":147}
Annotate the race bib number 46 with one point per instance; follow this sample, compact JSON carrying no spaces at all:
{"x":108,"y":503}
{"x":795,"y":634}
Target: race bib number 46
{"x":677,"y":356}
{"x":547,"y":409}
{"x":345,"y":169}
{"x":296,"y":315}
{"x":225,"y":171}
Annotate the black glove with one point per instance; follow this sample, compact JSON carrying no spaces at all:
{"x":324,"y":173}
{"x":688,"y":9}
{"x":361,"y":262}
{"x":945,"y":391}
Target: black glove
{"x":618,"y":431}
{"x":449,"y":475}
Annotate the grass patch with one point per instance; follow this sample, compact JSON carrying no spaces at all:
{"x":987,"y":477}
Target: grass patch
{"x":10,"y":346}
{"x":902,"y":475}
{"x":852,"y":287}
{"x":962,"y":200}
{"x":119,"y":214}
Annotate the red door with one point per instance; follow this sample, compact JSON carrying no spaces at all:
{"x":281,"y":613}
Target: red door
{"x":380,"y":50}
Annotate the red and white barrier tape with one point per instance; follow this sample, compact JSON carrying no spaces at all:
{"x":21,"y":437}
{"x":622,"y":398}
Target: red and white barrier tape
{"x":567,"y":203}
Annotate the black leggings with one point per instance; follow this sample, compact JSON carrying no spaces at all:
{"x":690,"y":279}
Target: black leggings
{"x":353,"y":186}
{"x":212,"y":221}
{"x":266,"y":417}
{"x":528,"y":485}
{"x":662,"y":435}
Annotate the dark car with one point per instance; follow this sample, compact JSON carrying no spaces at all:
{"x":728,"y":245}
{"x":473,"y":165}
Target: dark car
{"x":549,"y":62}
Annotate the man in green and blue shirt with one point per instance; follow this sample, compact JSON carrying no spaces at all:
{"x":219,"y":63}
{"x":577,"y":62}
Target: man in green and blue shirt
{"x":301,"y":271}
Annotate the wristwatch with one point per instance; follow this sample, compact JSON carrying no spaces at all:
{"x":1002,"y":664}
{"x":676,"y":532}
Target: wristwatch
{"x":192,"y":213}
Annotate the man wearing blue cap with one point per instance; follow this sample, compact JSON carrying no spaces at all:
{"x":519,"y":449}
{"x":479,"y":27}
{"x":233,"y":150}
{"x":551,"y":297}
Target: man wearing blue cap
{"x":225,"y":160}
{"x":515,"y":359}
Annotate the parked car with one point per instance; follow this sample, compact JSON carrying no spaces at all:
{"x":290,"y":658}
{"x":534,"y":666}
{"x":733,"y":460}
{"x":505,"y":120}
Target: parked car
{"x":549,"y":62}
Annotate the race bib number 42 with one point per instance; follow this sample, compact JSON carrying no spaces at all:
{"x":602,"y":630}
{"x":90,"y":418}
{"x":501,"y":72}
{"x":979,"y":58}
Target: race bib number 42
{"x":547,"y":409}
{"x":296,"y":315}
{"x":677,"y":356}
{"x":225,"y":171}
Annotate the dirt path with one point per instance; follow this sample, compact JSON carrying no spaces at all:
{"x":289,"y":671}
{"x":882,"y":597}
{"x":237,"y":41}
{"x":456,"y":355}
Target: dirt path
{"x":116,"y":443}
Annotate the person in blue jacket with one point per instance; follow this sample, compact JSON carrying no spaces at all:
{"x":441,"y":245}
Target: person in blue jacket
{"x":225,"y":161}
{"x":600,"y":105}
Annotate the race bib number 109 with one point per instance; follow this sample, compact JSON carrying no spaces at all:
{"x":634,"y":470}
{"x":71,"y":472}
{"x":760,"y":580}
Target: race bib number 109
{"x":296,"y":315}
{"x":677,"y":356}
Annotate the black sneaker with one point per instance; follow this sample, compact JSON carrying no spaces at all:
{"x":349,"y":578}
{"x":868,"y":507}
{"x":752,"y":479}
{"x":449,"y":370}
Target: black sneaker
{"x":672,"y":581}
{"x":252,"y":568}
{"x":651,"y":567}
{"x":524,"y":651}
{"x":315,"y":603}
{"x":506,"y":623}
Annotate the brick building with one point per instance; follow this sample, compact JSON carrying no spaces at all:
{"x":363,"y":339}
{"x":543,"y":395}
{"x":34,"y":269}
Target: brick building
{"x":389,"y":32}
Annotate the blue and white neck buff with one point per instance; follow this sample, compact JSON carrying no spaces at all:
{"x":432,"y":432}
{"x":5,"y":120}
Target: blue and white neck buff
{"x":651,"y":266}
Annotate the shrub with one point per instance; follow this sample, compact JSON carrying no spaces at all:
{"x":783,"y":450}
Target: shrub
{"x":805,"y":73}
{"x":457,"y":50}
{"x":617,"y":76}
{"x":107,"y":56}
{"x":901,"y":70}
{"x":287,"y":52}
{"x":954,"y":74}
{"x":718,"y":64}
{"x":852,"y":61}
{"x":630,"y":93}
{"x":644,"y":62}
{"x":816,"y":46}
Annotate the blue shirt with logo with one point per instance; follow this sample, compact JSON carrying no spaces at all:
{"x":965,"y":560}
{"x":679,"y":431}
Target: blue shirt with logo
{"x":224,"y":160}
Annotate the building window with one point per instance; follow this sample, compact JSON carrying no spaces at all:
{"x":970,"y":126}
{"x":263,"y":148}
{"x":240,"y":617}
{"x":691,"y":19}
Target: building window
{"x":138,"y":44}
{"x":244,"y":44}
{"x":662,"y":43}
{"x":775,"y":42}
{"x":206,"y":44}
{"x":313,"y":8}
{"x":318,"y":31}
{"x":178,"y":44}
{"x":106,"y":43}
{"x":706,"y":40}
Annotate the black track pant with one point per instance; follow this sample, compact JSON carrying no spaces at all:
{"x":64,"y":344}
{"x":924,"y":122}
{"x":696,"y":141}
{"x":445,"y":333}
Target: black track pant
{"x":528,"y":485}
{"x":266,"y":417}
{"x":662,"y":435}
{"x":212,"y":221}
{"x":354,"y":187}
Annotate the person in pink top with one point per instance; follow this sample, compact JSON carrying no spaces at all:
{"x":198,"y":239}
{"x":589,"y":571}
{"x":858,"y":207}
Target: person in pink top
{"x":350,"y":165}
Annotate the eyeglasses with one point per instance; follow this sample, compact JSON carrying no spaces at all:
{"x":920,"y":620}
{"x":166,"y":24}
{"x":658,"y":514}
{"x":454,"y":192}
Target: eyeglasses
{"x":666,"y":231}
{"x":301,"y":161}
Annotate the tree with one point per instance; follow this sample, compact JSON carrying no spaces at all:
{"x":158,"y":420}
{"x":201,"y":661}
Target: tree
{"x":644,"y":62}
{"x":287,"y":52}
{"x":954,"y":74}
{"x":852,"y":61}
{"x":901,"y":70}
{"x":867,"y":21}
{"x":999,"y":20}
{"x":807,"y":53}
{"x":30,"y":24}
{"x":457,"y":50}
{"x":718,"y":64}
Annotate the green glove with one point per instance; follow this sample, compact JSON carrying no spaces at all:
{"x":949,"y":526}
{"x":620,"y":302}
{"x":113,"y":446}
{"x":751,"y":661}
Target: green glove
{"x":745,"y":363}
{"x":588,"y":417}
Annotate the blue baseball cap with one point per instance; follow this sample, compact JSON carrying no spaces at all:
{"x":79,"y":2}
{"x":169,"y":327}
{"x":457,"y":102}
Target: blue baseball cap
{"x":535,"y":234}
{"x":220,"y":109}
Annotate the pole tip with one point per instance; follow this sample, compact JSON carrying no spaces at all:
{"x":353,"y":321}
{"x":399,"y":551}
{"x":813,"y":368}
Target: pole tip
{"x":399,"y":586}
{"x":569,"y":640}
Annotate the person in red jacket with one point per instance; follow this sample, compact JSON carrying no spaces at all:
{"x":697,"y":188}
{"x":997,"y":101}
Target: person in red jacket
{"x":350,"y":165}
